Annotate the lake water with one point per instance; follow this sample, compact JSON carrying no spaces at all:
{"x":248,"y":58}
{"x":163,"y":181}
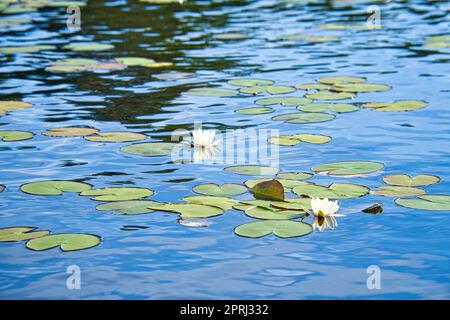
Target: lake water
{"x":168,"y":260}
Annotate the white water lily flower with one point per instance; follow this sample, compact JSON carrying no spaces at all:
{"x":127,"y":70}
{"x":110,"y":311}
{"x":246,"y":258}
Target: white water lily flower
{"x":200,"y":154}
{"x":204,"y":138}
{"x":324,"y":212}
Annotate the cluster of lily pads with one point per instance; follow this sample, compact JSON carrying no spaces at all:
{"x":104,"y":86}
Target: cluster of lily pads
{"x":274,"y":205}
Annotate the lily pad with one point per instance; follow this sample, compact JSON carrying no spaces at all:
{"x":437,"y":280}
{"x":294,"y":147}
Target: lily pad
{"x":376,"y":208}
{"x":13,"y":135}
{"x":253,"y":170}
{"x":272,"y":89}
{"x":86,"y":46}
{"x":272,"y":214}
{"x":334,"y":191}
{"x":66,"y":242}
{"x":296,"y":139}
{"x":268,"y":190}
{"x":6,"y":106}
{"x":250,"y":82}
{"x":360,"y":87}
{"x":213,"y":201}
{"x":230,"y":36}
{"x":312,"y":117}
{"x":116,"y":136}
{"x":313,"y":86}
{"x":54,"y":187}
{"x":189,"y":210}
{"x":280,"y":228}
{"x":136,"y":62}
{"x":321,"y":107}
{"x":327,"y":95}
{"x":341,"y":80}
{"x":399,"y":105}
{"x":150,"y":149}
{"x":298,"y":176}
{"x":347,"y":168}
{"x":396,"y":191}
{"x":411,"y":181}
{"x":26,"y":49}
{"x":13,"y":234}
{"x":436,"y":202}
{"x":287,"y":184}
{"x":299,"y":204}
{"x":211,"y":92}
{"x":127,"y":207}
{"x":255,"y":110}
{"x":70,"y":132}
{"x":285,"y":101}
{"x":224,"y":190}
{"x":2,"y":188}
{"x":117,"y":193}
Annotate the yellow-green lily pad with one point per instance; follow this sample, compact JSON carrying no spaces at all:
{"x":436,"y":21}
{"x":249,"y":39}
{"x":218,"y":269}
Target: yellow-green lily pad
{"x":327,"y":95}
{"x":116,"y":136}
{"x":88,"y":46}
{"x":272,"y":214}
{"x":255,"y":110}
{"x":272,"y":89}
{"x":150,"y":149}
{"x":399,"y":105}
{"x":250,"y":82}
{"x":70,"y":132}
{"x":360,"y":87}
{"x":321,"y":107}
{"x":434,"y":202}
{"x":285,"y":101}
{"x":310,"y":117}
{"x":54,"y":187}
{"x":280,"y":228}
{"x":298,"y":176}
{"x":214,"y":201}
{"x":6,"y":106}
{"x":13,"y":135}
{"x":189,"y":210}
{"x":26,"y":49}
{"x":296,"y":139}
{"x":411,"y":181}
{"x":313,"y":86}
{"x":117,"y":193}
{"x":341,"y":80}
{"x":334,"y":191}
{"x":224,"y":190}
{"x":127,"y":207}
{"x":347,"y":168}
{"x":397,"y":191}
{"x":13,"y":234}
{"x":65,"y":241}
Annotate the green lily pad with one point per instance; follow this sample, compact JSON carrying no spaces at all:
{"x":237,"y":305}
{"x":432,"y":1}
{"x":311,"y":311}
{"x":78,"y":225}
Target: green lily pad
{"x":116,"y":136}
{"x":435,"y":202}
{"x":312,"y":117}
{"x":27,"y":49}
{"x":280,"y":228}
{"x":224,"y":190}
{"x":54,"y":187}
{"x":213,"y":201}
{"x":136,"y":62}
{"x":230,"y":36}
{"x":13,"y":135}
{"x":150,"y":149}
{"x":189,"y":210}
{"x":86,"y":46}
{"x":399,"y":105}
{"x":307,"y":38}
{"x":341,"y":80}
{"x":268,"y":190}
{"x":13,"y":234}
{"x":6,"y":106}
{"x":117,"y":193}
{"x":255,"y":110}
{"x":327,"y":95}
{"x":272,"y":214}
{"x":321,"y":107}
{"x":66,"y":241}
{"x":70,"y":132}
{"x":246,"y":204}
{"x":334,"y":191}
{"x":211,"y":92}
{"x":347,"y":168}
{"x":296,"y":139}
{"x":253,"y":170}
{"x":285,"y":101}
{"x":250,"y":82}
{"x":313,"y":86}
{"x":360,"y":87}
{"x":127,"y":207}
{"x":267,"y":89}
{"x":411,"y":181}
{"x":298,"y":176}
{"x":2,"y":188}
{"x":396,"y":191}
